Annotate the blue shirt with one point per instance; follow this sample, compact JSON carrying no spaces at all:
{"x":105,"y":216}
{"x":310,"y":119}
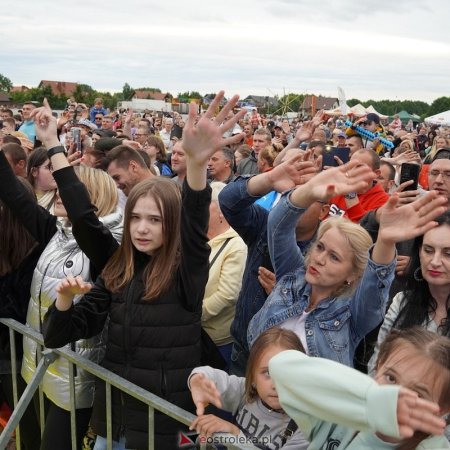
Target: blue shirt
{"x":29,"y":129}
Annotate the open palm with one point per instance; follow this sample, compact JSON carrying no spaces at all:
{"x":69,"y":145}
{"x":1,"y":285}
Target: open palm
{"x":350,"y":177}
{"x":292,"y":172}
{"x":413,"y":219}
{"x":202,"y":139}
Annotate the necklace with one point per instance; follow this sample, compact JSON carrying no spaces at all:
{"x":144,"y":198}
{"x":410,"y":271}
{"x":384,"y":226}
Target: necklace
{"x":281,"y":411}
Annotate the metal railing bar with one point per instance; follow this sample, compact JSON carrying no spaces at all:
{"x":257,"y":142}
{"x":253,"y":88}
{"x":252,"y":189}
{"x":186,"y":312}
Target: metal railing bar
{"x":12,"y":340}
{"x":73,"y":417}
{"x":111,"y":380}
{"x":108,"y":416}
{"x":47,"y":358}
{"x":151,"y":427}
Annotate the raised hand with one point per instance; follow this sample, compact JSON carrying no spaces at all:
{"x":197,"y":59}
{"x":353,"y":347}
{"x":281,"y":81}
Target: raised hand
{"x":305,"y":132}
{"x":296,"y":170}
{"x":409,"y":156}
{"x":410,"y":220}
{"x":406,"y":196}
{"x":128,"y":116}
{"x":266,"y":279}
{"x":46,"y":125}
{"x":318,"y":118}
{"x":204,"y":392}
{"x":209,"y":424}
{"x":68,"y":289}
{"x":402,"y":264}
{"x":350,"y":177}
{"x":202,"y":139}
{"x":417,"y":414}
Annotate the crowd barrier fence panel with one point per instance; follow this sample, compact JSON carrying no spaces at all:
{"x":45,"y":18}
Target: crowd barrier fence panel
{"x":47,"y":356}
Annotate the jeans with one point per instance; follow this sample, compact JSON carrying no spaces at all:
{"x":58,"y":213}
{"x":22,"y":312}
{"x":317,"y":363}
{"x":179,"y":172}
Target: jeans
{"x":100,"y":444}
{"x":239,"y":358}
{"x":225,"y":351}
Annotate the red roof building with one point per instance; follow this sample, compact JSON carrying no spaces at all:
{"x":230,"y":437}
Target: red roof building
{"x":59,"y":87}
{"x":19,"y":89}
{"x":312,"y":103}
{"x":150,"y":95}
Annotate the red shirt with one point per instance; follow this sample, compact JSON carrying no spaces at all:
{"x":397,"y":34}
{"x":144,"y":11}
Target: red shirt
{"x":374,"y":198}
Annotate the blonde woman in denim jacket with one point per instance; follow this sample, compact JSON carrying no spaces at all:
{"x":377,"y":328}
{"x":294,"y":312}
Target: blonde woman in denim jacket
{"x":339,"y":292}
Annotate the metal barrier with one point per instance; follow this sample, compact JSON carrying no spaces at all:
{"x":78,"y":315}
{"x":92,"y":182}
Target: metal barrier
{"x":48,"y":356}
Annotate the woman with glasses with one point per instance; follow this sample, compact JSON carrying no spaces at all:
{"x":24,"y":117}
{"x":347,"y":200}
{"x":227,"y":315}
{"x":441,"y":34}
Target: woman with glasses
{"x":40,"y":176}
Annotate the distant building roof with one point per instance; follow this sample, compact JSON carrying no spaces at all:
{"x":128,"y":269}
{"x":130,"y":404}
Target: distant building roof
{"x":320,"y":102}
{"x":60,"y":87}
{"x":261,"y":100}
{"x":4,"y":98}
{"x":20,"y":88}
{"x":150,"y":95}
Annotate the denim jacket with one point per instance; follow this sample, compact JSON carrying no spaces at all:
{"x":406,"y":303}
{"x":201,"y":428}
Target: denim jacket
{"x":336,"y":326}
{"x":250,"y":222}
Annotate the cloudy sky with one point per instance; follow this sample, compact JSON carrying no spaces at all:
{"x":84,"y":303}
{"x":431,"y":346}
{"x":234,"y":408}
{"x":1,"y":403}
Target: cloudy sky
{"x":397,"y":49}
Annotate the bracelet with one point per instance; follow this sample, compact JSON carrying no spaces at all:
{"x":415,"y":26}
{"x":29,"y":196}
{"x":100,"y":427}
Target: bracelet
{"x":54,"y":150}
{"x":351,"y":195}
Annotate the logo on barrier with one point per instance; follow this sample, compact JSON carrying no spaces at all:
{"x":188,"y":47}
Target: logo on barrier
{"x":185,"y":441}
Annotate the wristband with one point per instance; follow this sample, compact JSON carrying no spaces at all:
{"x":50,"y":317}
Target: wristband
{"x":351,"y":195}
{"x":54,"y":150}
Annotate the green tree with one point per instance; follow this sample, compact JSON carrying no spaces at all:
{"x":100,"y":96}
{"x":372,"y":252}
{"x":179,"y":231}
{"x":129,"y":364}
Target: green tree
{"x":290,"y":103}
{"x":85,"y":94}
{"x":147,"y":89}
{"x":353,"y":101}
{"x":5,"y":83}
{"x":127,"y":92}
{"x":193,"y":94}
{"x":441,"y":104}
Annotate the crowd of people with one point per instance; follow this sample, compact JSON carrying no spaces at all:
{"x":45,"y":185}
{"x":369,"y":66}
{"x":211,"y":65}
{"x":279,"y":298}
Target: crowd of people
{"x":282,"y":279}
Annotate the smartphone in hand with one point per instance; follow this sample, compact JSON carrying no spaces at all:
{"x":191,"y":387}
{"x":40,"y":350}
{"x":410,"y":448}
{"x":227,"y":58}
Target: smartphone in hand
{"x":328,"y":156}
{"x":410,"y":171}
{"x":76,"y":135}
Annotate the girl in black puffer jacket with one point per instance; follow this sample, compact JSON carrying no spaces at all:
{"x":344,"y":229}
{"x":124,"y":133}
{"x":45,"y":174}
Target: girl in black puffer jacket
{"x":152,"y":290}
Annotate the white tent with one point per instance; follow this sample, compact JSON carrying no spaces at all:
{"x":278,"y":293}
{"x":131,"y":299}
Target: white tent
{"x":335,"y":112}
{"x":371,"y":109}
{"x":442,"y":118}
{"x":358,"y":110}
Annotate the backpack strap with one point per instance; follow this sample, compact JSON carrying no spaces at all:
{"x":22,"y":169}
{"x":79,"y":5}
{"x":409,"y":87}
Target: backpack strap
{"x":219,"y":251}
{"x":289,"y":431}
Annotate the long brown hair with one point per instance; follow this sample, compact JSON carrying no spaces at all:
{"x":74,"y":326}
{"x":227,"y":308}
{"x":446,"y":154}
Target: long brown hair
{"x":157,"y":142}
{"x":430,"y":345}
{"x":16,"y":243}
{"x":36,"y":158}
{"x":158,"y":274}
{"x":286,"y":339}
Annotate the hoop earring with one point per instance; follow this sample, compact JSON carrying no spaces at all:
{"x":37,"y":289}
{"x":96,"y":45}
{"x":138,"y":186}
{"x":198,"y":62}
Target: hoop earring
{"x":418,"y":275}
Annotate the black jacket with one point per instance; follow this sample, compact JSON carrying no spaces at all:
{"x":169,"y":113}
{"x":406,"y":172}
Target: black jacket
{"x":154,"y":344}
{"x":15,"y":286}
